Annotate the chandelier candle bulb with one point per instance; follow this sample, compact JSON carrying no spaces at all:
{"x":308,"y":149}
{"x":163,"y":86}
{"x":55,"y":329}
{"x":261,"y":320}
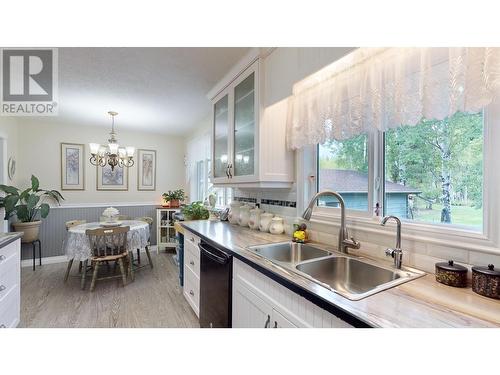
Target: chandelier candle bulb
{"x":113,"y":148}
{"x":130,"y":151}
{"x":94,"y":148}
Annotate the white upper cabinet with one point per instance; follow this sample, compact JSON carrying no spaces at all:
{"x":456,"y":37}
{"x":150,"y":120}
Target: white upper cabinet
{"x":248,"y":148}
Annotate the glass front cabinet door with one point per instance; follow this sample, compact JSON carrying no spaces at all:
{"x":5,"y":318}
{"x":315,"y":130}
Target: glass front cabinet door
{"x":235,"y":130}
{"x":221,"y":138}
{"x":244,"y":127}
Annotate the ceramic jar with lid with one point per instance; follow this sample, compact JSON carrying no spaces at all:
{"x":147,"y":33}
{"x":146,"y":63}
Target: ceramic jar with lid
{"x":254,"y":220}
{"x":451,"y":274}
{"x":244,"y":216}
{"x":265,"y":222}
{"x":486,"y":281}
{"x":234,"y":212}
{"x":277,"y":225}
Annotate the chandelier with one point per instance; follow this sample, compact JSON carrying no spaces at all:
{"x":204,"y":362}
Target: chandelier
{"x":112,"y":154}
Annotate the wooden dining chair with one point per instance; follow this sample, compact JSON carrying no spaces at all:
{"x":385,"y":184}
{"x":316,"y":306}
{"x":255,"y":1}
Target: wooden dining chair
{"x":109,"y":244}
{"x":70,"y":224}
{"x":150,"y":221}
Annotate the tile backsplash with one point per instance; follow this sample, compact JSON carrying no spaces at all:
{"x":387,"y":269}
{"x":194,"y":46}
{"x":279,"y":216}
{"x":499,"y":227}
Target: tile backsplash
{"x":279,"y":202}
{"x":418,"y":254}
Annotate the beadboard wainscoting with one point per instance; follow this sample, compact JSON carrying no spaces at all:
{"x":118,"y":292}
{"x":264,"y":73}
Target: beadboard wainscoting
{"x":53,"y":229}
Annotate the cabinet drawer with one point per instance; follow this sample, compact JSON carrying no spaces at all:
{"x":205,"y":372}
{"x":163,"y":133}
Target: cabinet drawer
{"x":10,"y":308}
{"x":9,"y":257}
{"x":192,"y":259}
{"x":191,"y":239}
{"x":8,"y":282}
{"x":192,"y":290}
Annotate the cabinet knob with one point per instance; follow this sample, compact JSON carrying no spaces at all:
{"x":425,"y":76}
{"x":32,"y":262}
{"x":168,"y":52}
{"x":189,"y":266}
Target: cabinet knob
{"x":192,"y":239}
{"x":2,"y":287}
{"x":191,"y":263}
{"x":191,"y":292}
{"x":2,"y":258}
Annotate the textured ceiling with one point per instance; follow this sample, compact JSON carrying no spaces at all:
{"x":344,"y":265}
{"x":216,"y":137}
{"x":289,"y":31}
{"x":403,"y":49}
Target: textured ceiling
{"x":161,"y":90}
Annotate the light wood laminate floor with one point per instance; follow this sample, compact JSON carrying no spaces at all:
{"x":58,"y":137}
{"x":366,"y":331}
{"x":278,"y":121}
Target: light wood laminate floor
{"x":154,"y":300}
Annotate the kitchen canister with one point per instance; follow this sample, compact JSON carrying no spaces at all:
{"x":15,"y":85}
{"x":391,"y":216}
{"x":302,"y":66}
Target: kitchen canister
{"x":265,"y":221}
{"x":451,"y":274}
{"x":244,"y":216}
{"x":277,"y":225}
{"x":254,"y":220}
{"x":486,"y":281}
{"x":234,"y":212}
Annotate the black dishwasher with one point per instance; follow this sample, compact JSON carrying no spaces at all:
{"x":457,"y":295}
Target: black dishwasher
{"x":215,"y":287}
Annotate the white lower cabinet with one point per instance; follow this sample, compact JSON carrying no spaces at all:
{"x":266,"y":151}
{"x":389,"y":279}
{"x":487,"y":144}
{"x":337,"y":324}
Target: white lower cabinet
{"x":249,"y":310}
{"x":279,"y":321}
{"x":10,"y":284}
{"x":260,"y":302}
{"x":191,"y":266}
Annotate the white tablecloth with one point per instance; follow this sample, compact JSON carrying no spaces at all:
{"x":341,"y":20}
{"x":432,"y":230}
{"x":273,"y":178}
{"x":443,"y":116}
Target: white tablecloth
{"x":77,"y":246}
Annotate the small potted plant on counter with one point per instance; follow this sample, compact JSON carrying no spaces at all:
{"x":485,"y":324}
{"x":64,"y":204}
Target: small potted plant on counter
{"x":173,"y":198}
{"x":195,"y":211}
{"x":29,"y":205}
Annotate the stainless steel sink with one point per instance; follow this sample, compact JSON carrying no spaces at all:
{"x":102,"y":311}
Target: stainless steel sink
{"x":352,"y":277}
{"x":355,"y":279}
{"x":289,"y":252}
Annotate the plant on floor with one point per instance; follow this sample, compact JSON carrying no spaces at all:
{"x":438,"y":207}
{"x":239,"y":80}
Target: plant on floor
{"x":195,"y":211}
{"x":173,"y":198}
{"x":28,"y":205}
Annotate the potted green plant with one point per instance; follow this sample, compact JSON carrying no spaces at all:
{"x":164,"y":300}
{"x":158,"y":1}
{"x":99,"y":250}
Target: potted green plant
{"x":28,"y":205}
{"x":173,"y":198}
{"x":195,"y":211}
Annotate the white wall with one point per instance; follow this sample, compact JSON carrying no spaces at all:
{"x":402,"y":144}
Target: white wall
{"x":9,"y":134}
{"x":197,"y":148}
{"x":8,"y":138}
{"x":38,"y":150}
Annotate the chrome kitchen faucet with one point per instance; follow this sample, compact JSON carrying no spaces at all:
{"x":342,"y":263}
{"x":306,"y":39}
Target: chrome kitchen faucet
{"x":396,"y":253}
{"x":344,"y":241}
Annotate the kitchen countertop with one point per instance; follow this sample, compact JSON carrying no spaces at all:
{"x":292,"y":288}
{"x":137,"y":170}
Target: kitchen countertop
{"x":422,"y":302}
{"x":7,"y":238}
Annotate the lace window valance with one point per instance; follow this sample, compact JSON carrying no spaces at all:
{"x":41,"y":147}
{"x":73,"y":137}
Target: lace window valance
{"x":381,"y":88}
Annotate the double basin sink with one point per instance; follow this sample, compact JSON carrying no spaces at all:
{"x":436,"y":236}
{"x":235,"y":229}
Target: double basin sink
{"x":352,"y":277}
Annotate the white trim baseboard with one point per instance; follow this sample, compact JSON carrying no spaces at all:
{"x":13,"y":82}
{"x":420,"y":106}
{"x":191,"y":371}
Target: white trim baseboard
{"x":62,"y":259}
{"x":45,"y":260}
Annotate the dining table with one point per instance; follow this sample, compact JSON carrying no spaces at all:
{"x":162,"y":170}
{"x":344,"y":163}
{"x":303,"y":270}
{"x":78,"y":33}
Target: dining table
{"x":77,"y":246}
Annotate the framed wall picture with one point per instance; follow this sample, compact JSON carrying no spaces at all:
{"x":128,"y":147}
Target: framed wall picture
{"x":72,"y":166}
{"x":116,"y":179}
{"x":146,"y":170}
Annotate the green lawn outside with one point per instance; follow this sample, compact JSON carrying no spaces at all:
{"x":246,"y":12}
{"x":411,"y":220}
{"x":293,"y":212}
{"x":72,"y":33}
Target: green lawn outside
{"x":460,"y":215}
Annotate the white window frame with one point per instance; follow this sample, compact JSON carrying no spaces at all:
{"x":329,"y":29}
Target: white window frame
{"x":201,"y":184}
{"x":372,"y":146}
{"x":487,"y":241}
